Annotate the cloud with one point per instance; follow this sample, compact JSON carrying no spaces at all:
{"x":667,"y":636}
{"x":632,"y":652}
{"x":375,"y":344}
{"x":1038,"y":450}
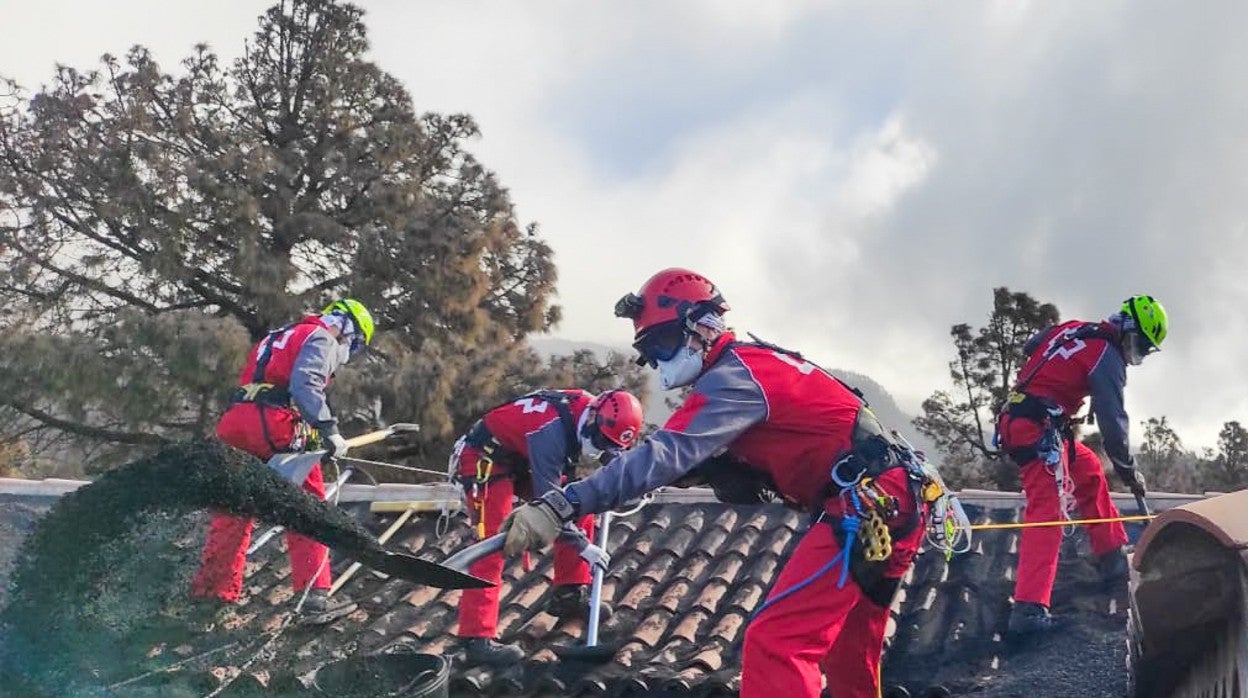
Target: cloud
{"x":857,"y":176}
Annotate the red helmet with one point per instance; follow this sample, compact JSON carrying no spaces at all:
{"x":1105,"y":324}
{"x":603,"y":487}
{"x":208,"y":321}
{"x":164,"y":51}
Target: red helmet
{"x":616,"y":415}
{"x":672,"y":294}
{"x":669,"y":302}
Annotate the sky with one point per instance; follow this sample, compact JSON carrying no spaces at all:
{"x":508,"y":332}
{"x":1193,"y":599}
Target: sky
{"x":855,"y":176}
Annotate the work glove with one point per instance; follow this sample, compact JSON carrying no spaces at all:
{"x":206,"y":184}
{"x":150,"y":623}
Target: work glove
{"x":594,"y":555}
{"x":537,"y":524}
{"x":335,"y":445}
{"x":1130,"y":477}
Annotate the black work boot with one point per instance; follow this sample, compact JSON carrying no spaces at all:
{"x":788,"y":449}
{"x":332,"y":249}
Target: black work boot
{"x":1113,"y":565}
{"x":318,"y":608}
{"x":1027,"y":618}
{"x":570,"y":601}
{"x":483,"y":650}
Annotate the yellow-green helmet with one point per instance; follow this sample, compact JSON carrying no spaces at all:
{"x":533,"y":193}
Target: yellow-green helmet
{"x":357,"y":312}
{"x":1149,"y":316}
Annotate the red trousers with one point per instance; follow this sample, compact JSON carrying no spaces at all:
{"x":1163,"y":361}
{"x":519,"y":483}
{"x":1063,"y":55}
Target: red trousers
{"x":478,"y":608}
{"x":822,"y":630}
{"x":1039,"y":547}
{"x":220,"y":572}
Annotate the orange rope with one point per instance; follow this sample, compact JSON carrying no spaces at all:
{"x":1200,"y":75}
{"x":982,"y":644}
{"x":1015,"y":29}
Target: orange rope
{"x":1073,"y":522}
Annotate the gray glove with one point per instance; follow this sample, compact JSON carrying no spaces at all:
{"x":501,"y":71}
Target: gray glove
{"x":535,"y":525}
{"x":336,"y":445}
{"x":595,"y":556}
{"x":1131,"y":477}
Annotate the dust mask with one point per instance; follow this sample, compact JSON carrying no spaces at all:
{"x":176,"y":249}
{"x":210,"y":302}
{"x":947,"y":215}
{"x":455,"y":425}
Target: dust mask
{"x":682,"y":369}
{"x":585,"y":432}
{"x":1132,"y":352}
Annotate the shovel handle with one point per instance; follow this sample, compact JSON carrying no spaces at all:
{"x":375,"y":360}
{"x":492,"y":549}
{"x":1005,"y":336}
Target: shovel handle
{"x":465,"y":558}
{"x":373,"y":437}
{"x":1142,"y":503}
{"x":355,"y":566}
{"x":595,"y":590}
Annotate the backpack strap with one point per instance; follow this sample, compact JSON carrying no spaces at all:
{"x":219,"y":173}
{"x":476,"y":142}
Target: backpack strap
{"x":797,"y":355}
{"x":560,"y":401}
{"x":1088,"y":330}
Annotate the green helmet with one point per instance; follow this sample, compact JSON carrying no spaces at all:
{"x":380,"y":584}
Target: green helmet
{"x":357,"y":312}
{"x":1149,"y":316}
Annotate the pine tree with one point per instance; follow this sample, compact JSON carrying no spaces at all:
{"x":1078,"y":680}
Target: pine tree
{"x":987,"y":364}
{"x":154,"y":225}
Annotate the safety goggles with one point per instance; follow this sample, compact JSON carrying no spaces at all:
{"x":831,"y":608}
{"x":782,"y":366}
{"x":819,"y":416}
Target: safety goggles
{"x":600,"y":441}
{"x":660,"y":343}
{"x":355,"y":337}
{"x":1144,"y":345}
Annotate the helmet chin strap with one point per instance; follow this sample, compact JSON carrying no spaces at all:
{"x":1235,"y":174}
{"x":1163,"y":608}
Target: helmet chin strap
{"x":714,"y":322}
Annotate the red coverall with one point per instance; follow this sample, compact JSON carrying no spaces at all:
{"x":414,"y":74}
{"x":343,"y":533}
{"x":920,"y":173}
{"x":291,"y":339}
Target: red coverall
{"x":263,"y":430}
{"x":786,"y":417}
{"x":1075,"y":368}
{"x":532,"y":449}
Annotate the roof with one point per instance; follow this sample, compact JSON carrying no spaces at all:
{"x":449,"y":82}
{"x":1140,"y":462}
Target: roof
{"x":684,"y":580}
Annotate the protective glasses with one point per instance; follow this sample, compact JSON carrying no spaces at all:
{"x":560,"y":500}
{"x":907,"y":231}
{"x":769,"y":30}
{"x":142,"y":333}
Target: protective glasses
{"x":1144,"y":345}
{"x":660,"y":343}
{"x":354,"y":333}
{"x":357,"y":344}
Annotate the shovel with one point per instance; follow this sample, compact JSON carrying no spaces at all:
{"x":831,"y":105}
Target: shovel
{"x":295,"y":467}
{"x":594,"y":554}
{"x":467,"y":557}
{"x":592,"y":652}
{"x":421,"y":571}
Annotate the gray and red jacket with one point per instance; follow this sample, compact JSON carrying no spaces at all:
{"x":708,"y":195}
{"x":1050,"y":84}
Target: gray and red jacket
{"x":535,"y":430}
{"x":763,"y":406}
{"x":298,"y":361}
{"x":1068,"y":363}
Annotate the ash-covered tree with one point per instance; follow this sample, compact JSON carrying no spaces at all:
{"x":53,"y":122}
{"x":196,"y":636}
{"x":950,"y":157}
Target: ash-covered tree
{"x":154,"y":224}
{"x":1227,"y":469}
{"x":1166,"y":464}
{"x":961,"y":422}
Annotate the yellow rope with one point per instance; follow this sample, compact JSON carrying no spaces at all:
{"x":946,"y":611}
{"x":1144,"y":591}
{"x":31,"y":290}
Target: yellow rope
{"x":1073,"y":522}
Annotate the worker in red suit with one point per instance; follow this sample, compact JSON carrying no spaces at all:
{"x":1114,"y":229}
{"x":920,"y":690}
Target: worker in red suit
{"x":528,"y":447}
{"x":790,"y":428}
{"x":1068,"y":363}
{"x":280,"y":407}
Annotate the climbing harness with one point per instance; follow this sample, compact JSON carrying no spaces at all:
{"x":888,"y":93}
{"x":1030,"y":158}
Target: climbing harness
{"x":491,"y":453}
{"x":1056,"y":425}
{"x":481,"y":486}
{"x":868,"y":508}
{"x":948,"y":527}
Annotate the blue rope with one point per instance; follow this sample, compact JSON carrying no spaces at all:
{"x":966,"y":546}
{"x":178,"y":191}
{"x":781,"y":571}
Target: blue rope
{"x":850,"y":525}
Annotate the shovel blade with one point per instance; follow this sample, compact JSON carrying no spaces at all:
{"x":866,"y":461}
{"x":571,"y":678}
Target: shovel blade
{"x":295,"y":467}
{"x":589,"y":654}
{"x":415,"y":569}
